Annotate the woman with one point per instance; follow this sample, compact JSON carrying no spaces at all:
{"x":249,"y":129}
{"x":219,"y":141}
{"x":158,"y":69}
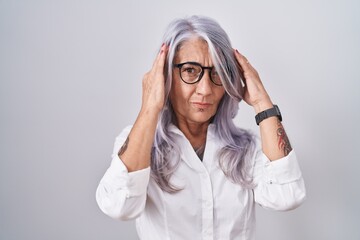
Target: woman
{"x":184,"y":170}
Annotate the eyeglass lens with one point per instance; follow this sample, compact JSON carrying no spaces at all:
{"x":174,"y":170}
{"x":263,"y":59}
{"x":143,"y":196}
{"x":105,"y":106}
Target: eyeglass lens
{"x":191,"y":73}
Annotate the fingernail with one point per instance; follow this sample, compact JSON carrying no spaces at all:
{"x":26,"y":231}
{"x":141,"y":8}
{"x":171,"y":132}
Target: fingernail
{"x":161,"y":48}
{"x":237,"y":51}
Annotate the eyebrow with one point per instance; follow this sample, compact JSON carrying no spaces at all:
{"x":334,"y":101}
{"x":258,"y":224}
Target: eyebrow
{"x":196,"y":63}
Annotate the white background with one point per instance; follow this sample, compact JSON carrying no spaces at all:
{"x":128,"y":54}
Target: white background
{"x":70,"y":80}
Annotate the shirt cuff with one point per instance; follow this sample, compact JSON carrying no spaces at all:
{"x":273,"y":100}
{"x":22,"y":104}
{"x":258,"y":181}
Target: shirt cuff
{"x":135,"y":182}
{"x":283,"y":170}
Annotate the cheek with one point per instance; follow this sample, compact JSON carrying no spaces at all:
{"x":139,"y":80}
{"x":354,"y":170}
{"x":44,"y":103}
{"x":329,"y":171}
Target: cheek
{"x":181,"y":93}
{"x":219,"y":95}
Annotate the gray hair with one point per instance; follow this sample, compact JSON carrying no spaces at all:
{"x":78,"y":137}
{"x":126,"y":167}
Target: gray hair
{"x":239,"y":144}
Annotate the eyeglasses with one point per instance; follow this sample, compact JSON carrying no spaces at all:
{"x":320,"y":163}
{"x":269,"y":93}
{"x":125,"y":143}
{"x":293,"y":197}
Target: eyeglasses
{"x":192,"y":72}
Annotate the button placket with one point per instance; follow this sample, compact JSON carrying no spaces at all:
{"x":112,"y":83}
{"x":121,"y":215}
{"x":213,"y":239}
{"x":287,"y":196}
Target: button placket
{"x":207,"y":206}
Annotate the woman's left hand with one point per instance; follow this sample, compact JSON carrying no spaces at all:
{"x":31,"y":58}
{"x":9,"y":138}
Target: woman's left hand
{"x":254,"y":92}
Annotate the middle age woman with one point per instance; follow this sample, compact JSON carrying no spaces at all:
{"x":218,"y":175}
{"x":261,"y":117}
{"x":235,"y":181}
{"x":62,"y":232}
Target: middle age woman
{"x":184,"y":170}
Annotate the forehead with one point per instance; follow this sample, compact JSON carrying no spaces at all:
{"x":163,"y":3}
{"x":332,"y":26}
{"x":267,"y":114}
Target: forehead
{"x":193,"y":50}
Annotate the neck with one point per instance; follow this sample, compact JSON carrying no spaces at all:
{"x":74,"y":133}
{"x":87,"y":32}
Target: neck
{"x":194,"y":132}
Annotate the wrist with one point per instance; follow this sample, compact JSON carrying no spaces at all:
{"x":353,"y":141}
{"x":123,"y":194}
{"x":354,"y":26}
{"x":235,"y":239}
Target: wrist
{"x":263,"y":105}
{"x":271,"y":112}
{"x":151,"y":109}
{"x":149,"y":113}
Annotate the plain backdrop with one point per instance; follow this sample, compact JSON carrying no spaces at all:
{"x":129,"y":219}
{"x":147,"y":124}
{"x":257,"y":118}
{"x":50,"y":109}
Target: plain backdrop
{"x":70,"y":81}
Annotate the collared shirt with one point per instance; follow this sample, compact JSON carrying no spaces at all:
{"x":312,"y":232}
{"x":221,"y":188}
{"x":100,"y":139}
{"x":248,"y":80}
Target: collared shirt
{"x":209,"y":206}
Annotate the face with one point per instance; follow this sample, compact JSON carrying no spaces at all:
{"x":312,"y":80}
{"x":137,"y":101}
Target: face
{"x":195,"y":103}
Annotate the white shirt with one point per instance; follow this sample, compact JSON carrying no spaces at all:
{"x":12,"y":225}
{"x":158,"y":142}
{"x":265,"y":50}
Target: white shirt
{"x":209,"y":206}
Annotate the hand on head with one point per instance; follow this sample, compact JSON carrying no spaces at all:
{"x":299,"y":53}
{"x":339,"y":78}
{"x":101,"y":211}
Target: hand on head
{"x":154,"y":84}
{"x":255,"y":94}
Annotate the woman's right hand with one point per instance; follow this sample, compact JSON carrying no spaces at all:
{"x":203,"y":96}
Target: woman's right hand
{"x":142,"y":133}
{"x":153,"y":84}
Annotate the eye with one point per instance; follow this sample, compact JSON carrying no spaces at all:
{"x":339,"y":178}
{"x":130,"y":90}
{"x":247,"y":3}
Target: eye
{"x":215,"y":77}
{"x":189,"y":70}
{"x":214,"y":73}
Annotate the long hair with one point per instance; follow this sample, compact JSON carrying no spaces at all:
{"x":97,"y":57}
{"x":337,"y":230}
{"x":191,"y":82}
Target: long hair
{"x":235,"y":156}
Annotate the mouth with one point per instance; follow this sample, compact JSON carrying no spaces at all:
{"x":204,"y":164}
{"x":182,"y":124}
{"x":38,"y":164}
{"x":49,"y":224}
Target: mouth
{"x":201,"y":105}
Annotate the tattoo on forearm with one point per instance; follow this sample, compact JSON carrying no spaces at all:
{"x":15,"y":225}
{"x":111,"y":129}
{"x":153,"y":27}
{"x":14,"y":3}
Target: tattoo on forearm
{"x":283,"y":140}
{"x":124,"y":147}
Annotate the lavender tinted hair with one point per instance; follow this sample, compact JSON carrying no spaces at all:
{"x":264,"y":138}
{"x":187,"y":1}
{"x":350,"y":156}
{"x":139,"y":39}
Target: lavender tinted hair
{"x":239,"y":144}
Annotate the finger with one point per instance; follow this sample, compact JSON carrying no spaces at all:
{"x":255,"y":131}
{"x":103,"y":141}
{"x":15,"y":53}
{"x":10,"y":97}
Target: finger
{"x":157,"y":56}
{"x":159,"y":63}
{"x":162,"y":58}
{"x":242,"y":60}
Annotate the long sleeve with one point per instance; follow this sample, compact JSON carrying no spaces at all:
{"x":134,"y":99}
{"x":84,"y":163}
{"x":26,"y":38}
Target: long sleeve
{"x":279,"y":184}
{"x":120,"y":194}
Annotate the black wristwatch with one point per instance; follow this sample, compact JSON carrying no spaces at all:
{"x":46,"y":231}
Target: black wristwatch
{"x":275,"y":111}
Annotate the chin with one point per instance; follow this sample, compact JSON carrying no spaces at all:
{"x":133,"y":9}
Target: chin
{"x":195,"y":115}
{"x":201,"y":117}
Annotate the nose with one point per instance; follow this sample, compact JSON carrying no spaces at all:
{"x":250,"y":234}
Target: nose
{"x":204,"y":86}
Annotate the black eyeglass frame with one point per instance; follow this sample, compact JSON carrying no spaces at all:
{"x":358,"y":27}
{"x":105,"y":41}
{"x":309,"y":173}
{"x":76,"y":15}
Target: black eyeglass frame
{"x":179,"y":65}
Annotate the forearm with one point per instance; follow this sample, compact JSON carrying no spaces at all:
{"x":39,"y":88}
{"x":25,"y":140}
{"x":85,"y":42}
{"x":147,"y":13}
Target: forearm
{"x":136,"y":151}
{"x":275,"y":143}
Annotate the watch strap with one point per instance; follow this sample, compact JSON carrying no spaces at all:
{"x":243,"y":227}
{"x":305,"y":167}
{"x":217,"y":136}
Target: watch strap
{"x":274,"y":111}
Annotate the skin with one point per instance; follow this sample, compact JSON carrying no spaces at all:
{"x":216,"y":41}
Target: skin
{"x":194,"y":105}
{"x":275,"y":143}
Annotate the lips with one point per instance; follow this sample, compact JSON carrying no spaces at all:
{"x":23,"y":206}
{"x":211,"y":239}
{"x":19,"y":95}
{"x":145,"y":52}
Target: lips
{"x":201,"y":104}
